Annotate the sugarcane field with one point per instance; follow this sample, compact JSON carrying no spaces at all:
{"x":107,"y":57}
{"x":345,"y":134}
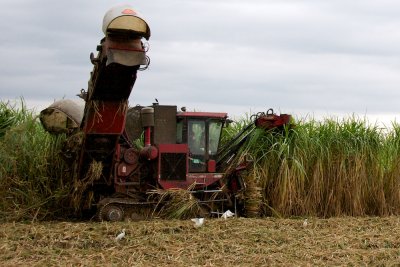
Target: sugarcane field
{"x":101,"y":180}
{"x":329,"y":198}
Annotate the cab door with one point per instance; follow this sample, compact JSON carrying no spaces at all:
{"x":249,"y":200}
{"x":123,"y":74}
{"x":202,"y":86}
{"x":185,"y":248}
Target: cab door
{"x":203,"y":136}
{"x":196,"y":138}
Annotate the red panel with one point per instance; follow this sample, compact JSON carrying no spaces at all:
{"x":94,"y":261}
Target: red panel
{"x":127,"y":45}
{"x":211,"y":165}
{"x":173,"y":148}
{"x":106,"y":119}
{"x":271,"y":121}
{"x":201,"y":179}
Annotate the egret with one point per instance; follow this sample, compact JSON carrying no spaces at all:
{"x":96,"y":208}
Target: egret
{"x":198,"y":222}
{"x":120,"y":235}
{"x":227,"y":214}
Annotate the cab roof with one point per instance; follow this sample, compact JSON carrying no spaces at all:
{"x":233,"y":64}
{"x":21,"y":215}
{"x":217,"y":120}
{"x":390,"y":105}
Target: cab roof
{"x":214,"y":115}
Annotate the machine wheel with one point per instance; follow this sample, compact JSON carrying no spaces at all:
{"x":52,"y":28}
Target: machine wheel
{"x":111,"y":213}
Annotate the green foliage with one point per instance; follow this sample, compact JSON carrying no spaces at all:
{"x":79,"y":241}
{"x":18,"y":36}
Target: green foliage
{"x":10,"y":116}
{"x":327,"y":168}
{"x":31,"y":172}
{"x":233,"y":128}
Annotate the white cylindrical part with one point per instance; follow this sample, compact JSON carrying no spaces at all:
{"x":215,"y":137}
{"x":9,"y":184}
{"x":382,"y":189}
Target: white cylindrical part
{"x":125,"y":18}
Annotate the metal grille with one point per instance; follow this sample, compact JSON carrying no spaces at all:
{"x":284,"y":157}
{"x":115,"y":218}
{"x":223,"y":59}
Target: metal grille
{"x":173,"y":166}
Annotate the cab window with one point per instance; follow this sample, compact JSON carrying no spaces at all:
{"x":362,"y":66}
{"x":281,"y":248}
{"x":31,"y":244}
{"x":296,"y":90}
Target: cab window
{"x":179,"y":132}
{"x":196,"y":136}
{"x":214,"y":134}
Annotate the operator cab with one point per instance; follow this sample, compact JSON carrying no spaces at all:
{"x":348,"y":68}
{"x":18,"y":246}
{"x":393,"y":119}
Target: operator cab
{"x":201,"y":131}
{"x":186,"y":144}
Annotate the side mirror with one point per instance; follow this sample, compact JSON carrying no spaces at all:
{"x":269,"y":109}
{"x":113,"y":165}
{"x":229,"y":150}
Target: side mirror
{"x":228,"y":122}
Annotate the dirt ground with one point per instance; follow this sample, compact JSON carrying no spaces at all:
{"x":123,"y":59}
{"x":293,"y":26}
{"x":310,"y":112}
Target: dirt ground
{"x":219,"y":242}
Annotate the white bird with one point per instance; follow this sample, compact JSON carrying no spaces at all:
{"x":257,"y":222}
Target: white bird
{"x":228,"y":214}
{"x":120,"y":235}
{"x":305,"y":223}
{"x":198,"y":222}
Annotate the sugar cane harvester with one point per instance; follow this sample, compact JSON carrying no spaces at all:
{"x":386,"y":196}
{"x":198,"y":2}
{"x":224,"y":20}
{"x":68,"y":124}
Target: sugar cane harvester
{"x":180,"y":150}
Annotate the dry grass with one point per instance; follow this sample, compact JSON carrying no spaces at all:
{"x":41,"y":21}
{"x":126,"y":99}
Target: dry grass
{"x":237,"y":242}
{"x":335,"y":167}
{"x":176,"y":203}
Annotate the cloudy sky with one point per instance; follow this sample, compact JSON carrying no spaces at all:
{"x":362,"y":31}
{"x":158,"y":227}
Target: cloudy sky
{"x":304,"y":57}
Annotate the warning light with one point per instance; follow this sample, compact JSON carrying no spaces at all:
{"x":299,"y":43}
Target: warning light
{"x":128,"y":11}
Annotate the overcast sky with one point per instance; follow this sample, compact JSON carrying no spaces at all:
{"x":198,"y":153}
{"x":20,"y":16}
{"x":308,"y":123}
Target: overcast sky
{"x":304,"y":57}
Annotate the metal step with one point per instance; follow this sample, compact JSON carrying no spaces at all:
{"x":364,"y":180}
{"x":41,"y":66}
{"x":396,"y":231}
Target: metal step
{"x":206,"y":191}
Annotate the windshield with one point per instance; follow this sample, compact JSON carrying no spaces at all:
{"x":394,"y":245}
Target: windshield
{"x":196,"y":136}
{"x":213,"y":136}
